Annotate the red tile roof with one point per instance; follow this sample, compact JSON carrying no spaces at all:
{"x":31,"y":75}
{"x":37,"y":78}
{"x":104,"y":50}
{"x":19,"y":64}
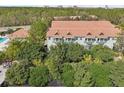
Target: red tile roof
{"x":21,"y":33}
{"x":82,"y":28}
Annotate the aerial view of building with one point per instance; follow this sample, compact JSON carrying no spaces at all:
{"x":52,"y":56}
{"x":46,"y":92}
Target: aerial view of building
{"x":61,"y":47}
{"x":86,"y":33}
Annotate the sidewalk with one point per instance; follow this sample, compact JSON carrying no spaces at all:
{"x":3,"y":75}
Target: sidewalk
{"x":2,"y":74}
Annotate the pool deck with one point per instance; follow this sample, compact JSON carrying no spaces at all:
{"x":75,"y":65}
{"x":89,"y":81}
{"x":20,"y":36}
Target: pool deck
{"x":4,"y":43}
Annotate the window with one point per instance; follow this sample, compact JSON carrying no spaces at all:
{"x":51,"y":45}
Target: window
{"x":89,"y":39}
{"x":80,"y":38}
{"x":69,"y":39}
{"x":73,"y":39}
{"x":105,"y":39}
{"x":108,"y":38}
{"x":86,"y":39}
{"x":98,"y":39}
{"x":93,"y":39}
{"x":57,"y":39}
{"x":49,"y":38}
{"x":76,"y":38}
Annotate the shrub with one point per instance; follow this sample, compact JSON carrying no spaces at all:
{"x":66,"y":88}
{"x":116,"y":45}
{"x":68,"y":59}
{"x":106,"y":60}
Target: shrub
{"x":100,"y":75}
{"x":103,"y":53}
{"x":17,"y":74}
{"x":117,"y":74}
{"x":67,"y":75}
{"x":39,"y":76}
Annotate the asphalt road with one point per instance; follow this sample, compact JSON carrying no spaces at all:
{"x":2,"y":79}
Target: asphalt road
{"x":2,"y":74}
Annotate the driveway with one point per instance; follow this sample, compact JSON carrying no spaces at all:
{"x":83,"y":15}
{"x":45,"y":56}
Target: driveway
{"x":2,"y":74}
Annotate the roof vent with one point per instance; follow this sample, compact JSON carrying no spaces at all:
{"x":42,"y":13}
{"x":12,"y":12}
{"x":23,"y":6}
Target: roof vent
{"x":56,"y":33}
{"x":68,"y":33}
{"x":89,"y":34}
{"x":101,"y":34}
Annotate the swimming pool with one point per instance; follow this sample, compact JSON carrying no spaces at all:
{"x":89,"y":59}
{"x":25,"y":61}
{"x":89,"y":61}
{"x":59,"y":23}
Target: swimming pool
{"x":2,"y":39}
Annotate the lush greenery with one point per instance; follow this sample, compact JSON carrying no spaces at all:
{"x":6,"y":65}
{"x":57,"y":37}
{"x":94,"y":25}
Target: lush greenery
{"x":117,"y":74}
{"x":103,"y":53}
{"x":69,"y":63}
{"x":26,"y":16}
{"x":39,"y":76}
{"x":66,"y":52}
{"x":18,"y":74}
{"x":100,"y":74}
{"x":76,"y":74}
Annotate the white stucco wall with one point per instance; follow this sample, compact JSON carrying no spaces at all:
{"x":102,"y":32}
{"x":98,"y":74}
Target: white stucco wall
{"x":109,"y":43}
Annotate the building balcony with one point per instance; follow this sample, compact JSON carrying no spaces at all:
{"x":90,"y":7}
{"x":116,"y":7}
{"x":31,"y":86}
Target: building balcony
{"x":101,"y":42}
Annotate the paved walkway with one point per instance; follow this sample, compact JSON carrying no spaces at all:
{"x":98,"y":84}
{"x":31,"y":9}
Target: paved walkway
{"x":2,"y":74}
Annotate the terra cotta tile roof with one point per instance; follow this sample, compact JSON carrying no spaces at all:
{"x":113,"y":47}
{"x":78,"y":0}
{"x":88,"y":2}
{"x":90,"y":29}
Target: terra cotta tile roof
{"x":82,"y":28}
{"x":21,"y":33}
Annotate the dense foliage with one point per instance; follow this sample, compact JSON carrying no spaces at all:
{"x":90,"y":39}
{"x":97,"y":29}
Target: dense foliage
{"x":18,"y":74}
{"x":39,"y":76}
{"x":117,"y":74}
{"x":67,"y":52}
{"x":100,"y":75}
{"x":103,"y":53}
{"x":69,"y":63}
{"x":38,"y":31}
{"x":76,"y":74}
{"x":26,"y":16}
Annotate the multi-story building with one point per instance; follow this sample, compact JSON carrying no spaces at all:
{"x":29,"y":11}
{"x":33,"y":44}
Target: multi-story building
{"x":86,"y":33}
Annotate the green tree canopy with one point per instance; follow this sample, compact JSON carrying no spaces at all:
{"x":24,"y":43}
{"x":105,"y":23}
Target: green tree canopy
{"x":100,"y":74}
{"x":38,"y":32}
{"x":17,"y":74}
{"x":39,"y":76}
{"x":30,"y":51}
{"x":103,"y":53}
{"x":67,"y":52}
{"x":13,"y":49}
{"x":76,"y":74}
{"x":53,"y":67}
{"x":117,"y":74}
{"x":67,"y":75}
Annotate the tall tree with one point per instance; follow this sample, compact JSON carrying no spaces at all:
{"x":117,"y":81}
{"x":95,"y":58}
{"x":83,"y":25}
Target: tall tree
{"x":76,"y":74}
{"x":53,"y":67}
{"x":82,"y":78}
{"x":67,"y":52}
{"x":39,"y":76}
{"x":13,"y":49}
{"x":100,"y":74}
{"x":67,"y":75}
{"x":17,"y":74}
{"x":103,"y":53}
{"x":38,"y":32}
{"x":117,"y":74}
{"x":31,"y":51}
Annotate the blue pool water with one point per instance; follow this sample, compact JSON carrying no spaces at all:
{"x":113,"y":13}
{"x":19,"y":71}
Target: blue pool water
{"x":2,"y":39}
